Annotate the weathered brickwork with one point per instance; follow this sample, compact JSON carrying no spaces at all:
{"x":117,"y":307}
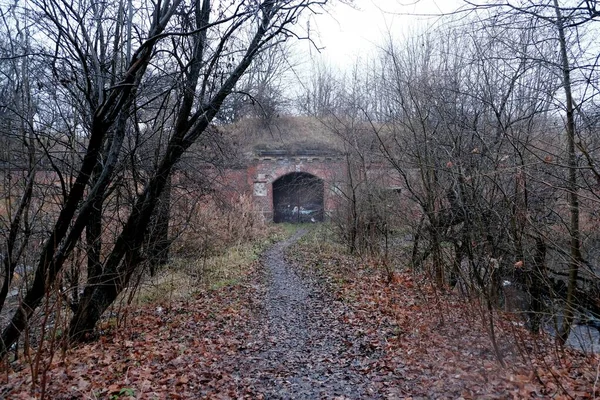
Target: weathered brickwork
{"x":256,"y":180}
{"x":266,"y":170}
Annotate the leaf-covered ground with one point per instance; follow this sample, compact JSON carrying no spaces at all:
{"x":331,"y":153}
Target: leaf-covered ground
{"x":436,"y":345}
{"x":339,"y":330}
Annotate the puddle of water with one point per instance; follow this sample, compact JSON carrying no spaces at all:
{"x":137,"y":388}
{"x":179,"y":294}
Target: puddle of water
{"x":584,"y":338}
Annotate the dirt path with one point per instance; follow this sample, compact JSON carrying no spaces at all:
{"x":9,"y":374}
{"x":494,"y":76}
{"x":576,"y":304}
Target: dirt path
{"x":279,"y":334}
{"x":302,"y":351}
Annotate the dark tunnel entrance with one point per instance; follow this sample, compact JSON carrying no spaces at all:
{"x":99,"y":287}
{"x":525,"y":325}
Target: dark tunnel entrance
{"x":297,"y":198}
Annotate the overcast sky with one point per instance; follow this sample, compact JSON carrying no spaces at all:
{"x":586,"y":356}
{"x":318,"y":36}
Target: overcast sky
{"x":349,"y":32}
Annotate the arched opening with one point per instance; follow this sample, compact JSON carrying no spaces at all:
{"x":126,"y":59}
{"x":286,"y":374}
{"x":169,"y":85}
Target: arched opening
{"x":297,"y":198}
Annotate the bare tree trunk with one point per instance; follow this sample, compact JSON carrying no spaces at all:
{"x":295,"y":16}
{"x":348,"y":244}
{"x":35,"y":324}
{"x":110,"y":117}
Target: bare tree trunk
{"x":353,"y":209}
{"x":125,"y":255}
{"x":74,"y":215}
{"x":203,"y":69}
{"x":537,"y":283}
{"x":575,"y":245}
{"x":158,"y":232}
{"x":12,"y":252}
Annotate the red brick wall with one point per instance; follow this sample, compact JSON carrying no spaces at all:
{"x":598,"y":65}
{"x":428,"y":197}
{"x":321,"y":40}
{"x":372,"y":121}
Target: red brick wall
{"x":257,"y":179}
{"x":266,"y":170}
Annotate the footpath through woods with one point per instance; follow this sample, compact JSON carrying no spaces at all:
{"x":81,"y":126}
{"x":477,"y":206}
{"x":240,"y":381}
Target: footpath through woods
{"x":308,"y":322}
{"x":304,"y":351}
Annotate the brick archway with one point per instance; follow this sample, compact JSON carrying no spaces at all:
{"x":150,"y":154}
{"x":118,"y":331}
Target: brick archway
{"x":268,"y":169}
{"x":298,"y":197}
{"x":258,"y":177}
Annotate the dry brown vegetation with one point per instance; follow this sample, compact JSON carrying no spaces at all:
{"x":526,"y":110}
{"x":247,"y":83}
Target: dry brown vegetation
{"x":432,"y":343}
{"x":189,"y":309}
{"x":421,"y":342}
{"x":289,"y":133}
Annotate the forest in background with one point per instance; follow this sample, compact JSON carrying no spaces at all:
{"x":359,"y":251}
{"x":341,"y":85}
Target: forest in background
{"x":490,"y":117}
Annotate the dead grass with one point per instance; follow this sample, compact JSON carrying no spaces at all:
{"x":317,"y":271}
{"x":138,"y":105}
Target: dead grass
{"x":287,"y":132}
{"x":184,"y":277}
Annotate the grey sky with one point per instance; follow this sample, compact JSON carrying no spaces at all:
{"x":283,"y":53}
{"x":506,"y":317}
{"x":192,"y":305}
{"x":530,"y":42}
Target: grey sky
{"x":348,"y":32}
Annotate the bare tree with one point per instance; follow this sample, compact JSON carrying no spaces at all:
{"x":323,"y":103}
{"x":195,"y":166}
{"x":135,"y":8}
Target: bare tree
{"x":477,"y":135}
{"x":19,"y":161}
{"x":321,"y":92}
{"x":196,"y":52}
{"x":261,"y":92}
{"x":468,"y":132}
{"x":577,"y":67}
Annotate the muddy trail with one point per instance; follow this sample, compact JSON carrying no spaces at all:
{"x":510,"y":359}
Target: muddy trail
{"x":302,"y":350}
